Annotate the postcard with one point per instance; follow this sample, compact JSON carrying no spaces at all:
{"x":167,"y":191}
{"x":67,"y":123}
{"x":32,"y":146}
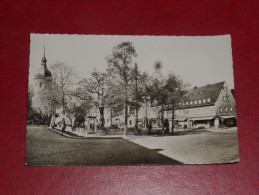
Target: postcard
{"x":130,"y":100}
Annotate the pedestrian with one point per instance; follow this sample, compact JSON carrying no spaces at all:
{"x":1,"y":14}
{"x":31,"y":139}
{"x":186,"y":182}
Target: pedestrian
{"x":63,"y":125}
{"x":166,"y":126}
{"x":149,"y":127}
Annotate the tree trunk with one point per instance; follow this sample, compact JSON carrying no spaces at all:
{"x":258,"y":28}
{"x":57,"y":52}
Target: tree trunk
{"x":125,"y":119}
{"x":162,"y":117}
{"x":111,"y":116}
{"x":136,"y":119}
{"x":101,"y":109}
{"x":146,"y":120}
{"x":173,"y":121}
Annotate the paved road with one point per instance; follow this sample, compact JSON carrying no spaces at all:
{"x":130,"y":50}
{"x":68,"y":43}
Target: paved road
{"x":195,"y":147}
{"x":46,"y":147}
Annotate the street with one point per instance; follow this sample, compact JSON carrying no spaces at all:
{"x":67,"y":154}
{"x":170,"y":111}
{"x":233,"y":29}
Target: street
{"x":195,"y":146}
{"x":46,"y":147}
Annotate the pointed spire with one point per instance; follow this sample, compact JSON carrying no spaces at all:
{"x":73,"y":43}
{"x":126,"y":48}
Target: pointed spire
{"x":44,"y":60}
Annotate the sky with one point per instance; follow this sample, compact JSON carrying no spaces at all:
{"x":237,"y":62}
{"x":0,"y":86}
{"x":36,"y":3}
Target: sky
{"x":198,"y":60}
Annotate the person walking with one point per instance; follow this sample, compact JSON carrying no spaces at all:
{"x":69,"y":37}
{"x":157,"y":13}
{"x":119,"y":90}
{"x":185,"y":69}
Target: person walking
{"x":166,"y":126}
{"x":149,"y":127}
{"x":63,"y":125}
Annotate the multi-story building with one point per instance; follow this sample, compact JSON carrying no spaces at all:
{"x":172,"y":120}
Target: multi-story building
{"x":210,"y":106}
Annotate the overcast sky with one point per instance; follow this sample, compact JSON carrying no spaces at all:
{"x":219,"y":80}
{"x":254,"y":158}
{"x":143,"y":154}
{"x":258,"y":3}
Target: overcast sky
{"x":199,"y":60}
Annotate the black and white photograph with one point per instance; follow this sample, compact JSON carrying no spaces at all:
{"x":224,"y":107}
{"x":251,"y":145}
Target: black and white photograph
{"x":130,"y":100}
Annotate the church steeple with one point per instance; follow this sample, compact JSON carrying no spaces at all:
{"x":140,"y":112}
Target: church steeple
{"x":44,"y":60}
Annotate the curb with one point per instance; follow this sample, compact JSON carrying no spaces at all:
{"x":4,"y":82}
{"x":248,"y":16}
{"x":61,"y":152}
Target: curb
{"x":64,"y":134}
{"x":82,"y":137}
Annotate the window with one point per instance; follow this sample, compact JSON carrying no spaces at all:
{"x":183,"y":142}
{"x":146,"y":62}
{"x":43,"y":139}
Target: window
{"x":107,"y":120}
{"x":231,"y":109}
{"x":220,"y":108}
{"x":187,"y":103}
{"x":130,"y":122}
{"x":208,"y":99}
{"x":202,"y":92}
{"x":195,"y":102}
{"x":183,"y":103}
{"x":224,"y":98}
{"x":191,"y":102}
{"x":204,"y":100}
{"x":41,"y":84}
{"x":226,"y":108}
{"x":199,"y":101}
{"x":228,"y":98}
{"x":180,"y":103}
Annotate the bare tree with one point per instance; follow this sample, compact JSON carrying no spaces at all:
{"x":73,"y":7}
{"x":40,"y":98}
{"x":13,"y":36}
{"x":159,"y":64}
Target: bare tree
{"x":168,"y":91}
{"x":174,"y":92}
{"x":95,"y":90}
{"x":120,"y":65}
{"x":64,"y":79}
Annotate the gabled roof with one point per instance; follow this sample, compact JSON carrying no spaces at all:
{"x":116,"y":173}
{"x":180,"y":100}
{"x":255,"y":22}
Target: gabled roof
{"x":210,"y":91}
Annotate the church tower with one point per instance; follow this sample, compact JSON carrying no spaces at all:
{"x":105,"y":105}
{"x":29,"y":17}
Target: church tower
{"x":43,"y":76}
{"x":42,"y":81}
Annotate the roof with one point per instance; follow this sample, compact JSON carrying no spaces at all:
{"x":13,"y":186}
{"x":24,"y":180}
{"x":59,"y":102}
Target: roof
{"x":43,"y":72}
{"x":210,"y":91}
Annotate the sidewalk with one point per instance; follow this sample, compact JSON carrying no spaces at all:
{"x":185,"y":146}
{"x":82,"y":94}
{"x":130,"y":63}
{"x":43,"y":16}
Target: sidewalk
{"x":202,"y":148}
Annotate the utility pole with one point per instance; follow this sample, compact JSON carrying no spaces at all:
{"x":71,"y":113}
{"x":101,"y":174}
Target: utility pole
{"x":136,"y":95}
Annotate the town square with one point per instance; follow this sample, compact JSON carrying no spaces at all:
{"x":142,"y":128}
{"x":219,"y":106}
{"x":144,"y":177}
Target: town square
{"x":128,"y":112}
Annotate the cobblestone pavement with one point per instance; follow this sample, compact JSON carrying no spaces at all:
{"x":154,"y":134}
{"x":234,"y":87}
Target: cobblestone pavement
{"x":195,"y":147}
{"x":46,"y":147}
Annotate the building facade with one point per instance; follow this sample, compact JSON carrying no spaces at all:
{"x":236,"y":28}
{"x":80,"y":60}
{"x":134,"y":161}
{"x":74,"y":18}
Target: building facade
{"x":210,"y":106}
{"x":42,"y":82}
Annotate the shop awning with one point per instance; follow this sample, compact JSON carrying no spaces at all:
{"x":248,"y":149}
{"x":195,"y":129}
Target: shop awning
{"x":226,"y":117}
{"x":180,"y":119}
{"x":202,"y":118}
